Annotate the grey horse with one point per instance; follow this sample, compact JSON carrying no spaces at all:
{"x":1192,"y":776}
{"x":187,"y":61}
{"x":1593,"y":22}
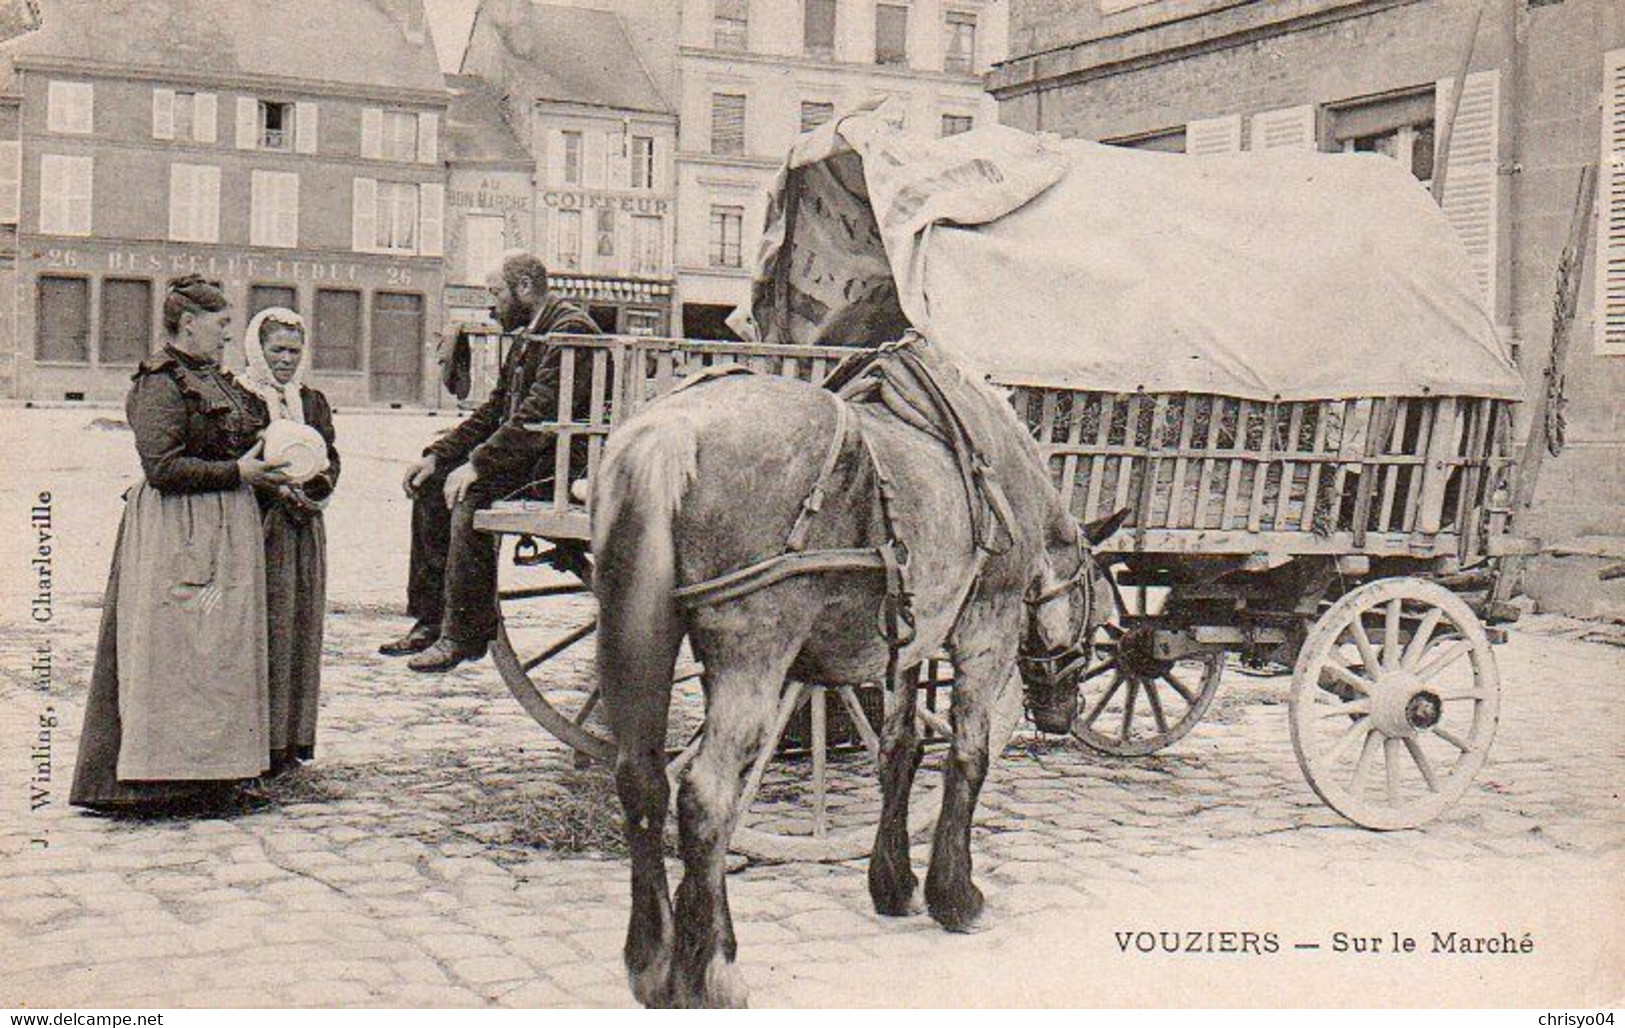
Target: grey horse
{"x":711,"y":479}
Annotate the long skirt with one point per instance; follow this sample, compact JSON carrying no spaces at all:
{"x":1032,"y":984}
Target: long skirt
{"x":179,"y":692}
{"x":296,"y":608}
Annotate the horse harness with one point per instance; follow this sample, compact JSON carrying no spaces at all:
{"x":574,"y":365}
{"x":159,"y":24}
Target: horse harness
{"x":896,"y":374}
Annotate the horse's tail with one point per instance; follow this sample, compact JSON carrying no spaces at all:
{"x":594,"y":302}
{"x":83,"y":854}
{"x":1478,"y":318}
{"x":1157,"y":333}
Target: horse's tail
{"x":647,"y":468}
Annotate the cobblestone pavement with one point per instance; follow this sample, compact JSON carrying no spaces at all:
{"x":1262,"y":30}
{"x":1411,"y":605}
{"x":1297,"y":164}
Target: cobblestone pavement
{"x":403,"y":867}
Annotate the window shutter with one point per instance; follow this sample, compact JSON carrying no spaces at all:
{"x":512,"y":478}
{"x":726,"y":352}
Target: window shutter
{"x":1610,"y":331}
{"x":429,"y":138}
{"x":11,"y":181}
{"x":618,"y":146}
{"x":306,"y":126}
{"x":260,"y":201}
{"x":208,"y":204}
{"x":592,"y":175}
{"x":364,"y":216}
{"x":248,"y":118}
{"x":1472,"y":181}
{"x":82,"y":174}
{"x":1289,"y":128}
{"x":1214,"y":135}
{"x":182,"y":201}
{"x":205,"y":117}
{"x":163,"y":113}
{"x":287,"y":209}
{"x":657,"y":180}
{"x":431,"y":219}
{"x":372,"y":133}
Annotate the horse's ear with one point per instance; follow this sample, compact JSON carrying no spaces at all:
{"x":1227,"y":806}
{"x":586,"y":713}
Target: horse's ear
{"x":1097,"y":532}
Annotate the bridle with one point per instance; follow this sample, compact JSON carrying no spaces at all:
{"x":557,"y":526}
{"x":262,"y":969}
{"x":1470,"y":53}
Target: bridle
{"x":1058,"y":667}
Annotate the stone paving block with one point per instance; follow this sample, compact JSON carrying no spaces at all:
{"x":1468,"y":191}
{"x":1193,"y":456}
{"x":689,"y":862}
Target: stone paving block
{"x":483,"y":971}
{"x":434,"y":996}
{"x":331,"y":994}
{"x":536,"y":993}
{"x":451,"y":947}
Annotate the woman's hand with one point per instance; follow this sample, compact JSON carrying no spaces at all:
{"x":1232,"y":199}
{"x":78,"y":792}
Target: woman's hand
{"x":256,"y":471}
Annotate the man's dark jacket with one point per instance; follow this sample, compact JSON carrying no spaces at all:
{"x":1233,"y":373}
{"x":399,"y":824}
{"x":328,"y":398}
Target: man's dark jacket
{"x":494,"y":438}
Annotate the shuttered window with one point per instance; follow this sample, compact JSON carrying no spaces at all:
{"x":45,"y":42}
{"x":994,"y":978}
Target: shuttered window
{"x":815,"y":113}
{"x":572,"y":157}
{"x":397,"y":224}
{"x":336,"y":339}
{"x":70,"y":107}
{"x":66,"y":194}
{"x":818,"y":28}
{"x":11,"y":181}
{"x":730,"y":24}
{"x":643,"y":162}
{"x":194,"y":203}
{"x":1214,"y":135}
{"x":276,"y":125}
{"x":1610,"y":335}
{"x":274,"y":215}
{"x":62,"y":319}
{"x":205,"y":109}
{"x":1473,"y":181}
{"x":1400,"y":127}
{"x":400,"y":139}
{"x":954,"y":124}
{"x":306,"y":127}
{"x":727,"y":226}
{"x":1290,"y":128}
{"x":126,"y":321}
{"x":728,"y":123}
{"x":648,"y":244}
{"x":567,"y":247}
{"x":891,"y":34}
{"x":959,"y":43}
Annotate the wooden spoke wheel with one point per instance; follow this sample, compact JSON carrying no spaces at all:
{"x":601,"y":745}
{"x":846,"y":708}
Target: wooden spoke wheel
{"x":811,"y":794}
{"x":1394,"y":702}
{"x":1134,"y":703}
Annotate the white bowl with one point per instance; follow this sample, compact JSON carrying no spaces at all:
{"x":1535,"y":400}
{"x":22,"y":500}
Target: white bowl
{"x":301,"y":446}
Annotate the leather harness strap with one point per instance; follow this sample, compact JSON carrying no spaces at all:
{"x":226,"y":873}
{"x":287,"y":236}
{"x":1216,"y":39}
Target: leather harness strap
{"x":984,"y":497}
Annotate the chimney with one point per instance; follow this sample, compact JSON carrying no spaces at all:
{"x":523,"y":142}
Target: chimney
{"x":409,"y":15}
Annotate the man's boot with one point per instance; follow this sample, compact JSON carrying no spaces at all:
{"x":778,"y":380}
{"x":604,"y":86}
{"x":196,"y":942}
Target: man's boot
{"x":444,"y":655}
{"x":422,"y":636}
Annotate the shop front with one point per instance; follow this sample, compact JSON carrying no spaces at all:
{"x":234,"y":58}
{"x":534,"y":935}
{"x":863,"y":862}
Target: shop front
{"x":90,"y":311}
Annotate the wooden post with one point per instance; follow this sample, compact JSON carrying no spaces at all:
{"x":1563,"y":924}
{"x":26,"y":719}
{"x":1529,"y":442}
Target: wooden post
{"x":1570,"y":275}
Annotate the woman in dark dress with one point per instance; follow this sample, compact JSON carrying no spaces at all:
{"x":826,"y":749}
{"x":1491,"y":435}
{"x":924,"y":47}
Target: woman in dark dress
{"x":178,"y":705}
{"x":276,"y":354}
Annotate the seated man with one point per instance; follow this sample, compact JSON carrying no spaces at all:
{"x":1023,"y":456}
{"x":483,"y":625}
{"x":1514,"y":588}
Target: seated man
{"x":452,"y":589}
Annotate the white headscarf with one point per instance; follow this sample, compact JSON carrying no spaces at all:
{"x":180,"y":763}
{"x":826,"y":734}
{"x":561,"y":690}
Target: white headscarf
{"x":282,"y":400}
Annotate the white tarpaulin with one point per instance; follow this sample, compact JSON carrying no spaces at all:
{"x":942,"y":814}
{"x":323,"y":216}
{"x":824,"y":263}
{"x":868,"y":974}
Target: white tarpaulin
{"x":1070,"y":264}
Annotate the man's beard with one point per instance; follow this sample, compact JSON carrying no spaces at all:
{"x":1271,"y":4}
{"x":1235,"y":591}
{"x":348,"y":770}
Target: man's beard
{"x":513,"y":316}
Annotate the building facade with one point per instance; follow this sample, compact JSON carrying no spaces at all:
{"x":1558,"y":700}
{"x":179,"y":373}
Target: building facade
{"x":1544,"y":96}
{"x":754,"y":74}
{"x":573,"y":88}
{"x":311,"y":181}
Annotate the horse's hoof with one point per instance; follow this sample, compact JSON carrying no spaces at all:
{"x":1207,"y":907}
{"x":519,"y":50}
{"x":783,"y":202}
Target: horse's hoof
{"x":651,"y":985}
{"x":957,"y":913}
{"x":894,"y":898}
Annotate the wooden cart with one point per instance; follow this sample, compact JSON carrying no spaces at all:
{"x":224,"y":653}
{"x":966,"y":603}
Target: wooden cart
{"x":1311,"y":534}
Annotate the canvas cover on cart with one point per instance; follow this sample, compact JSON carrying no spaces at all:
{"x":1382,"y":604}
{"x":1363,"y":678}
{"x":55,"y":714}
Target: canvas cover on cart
{"x":1065,"y":263}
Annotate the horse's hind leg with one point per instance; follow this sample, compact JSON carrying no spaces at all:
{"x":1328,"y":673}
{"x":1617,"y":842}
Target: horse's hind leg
{"x":742,"y":697}
{"x":891,"y":879}
{"x":983,"y":654}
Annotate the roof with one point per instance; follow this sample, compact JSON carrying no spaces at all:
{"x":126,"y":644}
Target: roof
{"x":342,"y":43}
{"x":476,"y":131}
{"x":570,"y":55}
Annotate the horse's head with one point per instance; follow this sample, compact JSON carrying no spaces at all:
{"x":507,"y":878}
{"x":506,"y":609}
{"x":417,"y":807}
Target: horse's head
{"x":1063,"y":607}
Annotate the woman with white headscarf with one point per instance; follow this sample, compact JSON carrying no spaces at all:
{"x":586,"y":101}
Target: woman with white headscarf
{"x":276,"y":353}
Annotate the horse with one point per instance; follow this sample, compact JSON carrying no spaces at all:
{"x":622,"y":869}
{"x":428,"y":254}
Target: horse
{"x":710,"y":480}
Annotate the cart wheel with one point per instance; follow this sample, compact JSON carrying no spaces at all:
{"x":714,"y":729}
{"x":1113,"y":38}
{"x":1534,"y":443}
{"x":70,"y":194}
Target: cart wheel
{"x":1381,"y":675}
{"x":822,"y":803}
{"x":1133,"y":703}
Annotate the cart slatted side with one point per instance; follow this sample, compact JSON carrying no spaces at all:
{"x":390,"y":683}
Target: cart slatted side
{"x":1220,"y":474}
{"x":625,"y":373}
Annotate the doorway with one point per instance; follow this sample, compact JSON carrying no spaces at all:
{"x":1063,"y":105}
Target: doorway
{"x":396,"y":368}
